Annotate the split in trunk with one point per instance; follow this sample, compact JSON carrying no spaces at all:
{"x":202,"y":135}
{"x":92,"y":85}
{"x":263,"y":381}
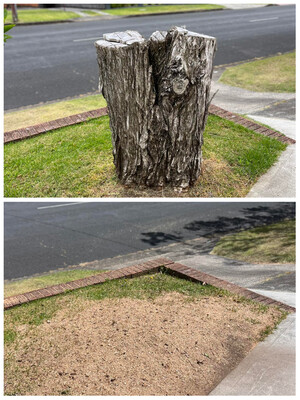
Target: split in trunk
{"x":157,"y":93}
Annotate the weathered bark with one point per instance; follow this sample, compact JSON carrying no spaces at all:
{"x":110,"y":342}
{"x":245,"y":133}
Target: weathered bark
{"x":157,"y":93}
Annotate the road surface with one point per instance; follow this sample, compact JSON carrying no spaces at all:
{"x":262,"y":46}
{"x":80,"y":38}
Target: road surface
{"x":50,"y":62}
{"x":39,"y":237}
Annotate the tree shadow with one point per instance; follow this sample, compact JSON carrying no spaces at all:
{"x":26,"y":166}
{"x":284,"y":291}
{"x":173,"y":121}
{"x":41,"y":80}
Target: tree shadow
{"x":155,"y":238}
{"x":251,"y":217}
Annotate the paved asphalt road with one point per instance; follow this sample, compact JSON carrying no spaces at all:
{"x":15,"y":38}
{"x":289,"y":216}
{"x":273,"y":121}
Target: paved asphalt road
{"x":55,"y":61}
{"x":39,"y":237}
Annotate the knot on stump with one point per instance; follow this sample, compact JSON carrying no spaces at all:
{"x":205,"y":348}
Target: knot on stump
{"x":157,"y":94}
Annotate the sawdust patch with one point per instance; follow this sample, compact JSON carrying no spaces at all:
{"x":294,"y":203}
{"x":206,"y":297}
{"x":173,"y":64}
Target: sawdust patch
{"x":173,"y":345}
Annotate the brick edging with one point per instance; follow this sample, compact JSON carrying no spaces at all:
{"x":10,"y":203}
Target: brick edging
{"x":253,"y":126}
{"x":137,"y":270}
{"x":30,"y":131}
{"x":126,"y":272}
{"x":198,"y":276}
{"x":24,"y":133}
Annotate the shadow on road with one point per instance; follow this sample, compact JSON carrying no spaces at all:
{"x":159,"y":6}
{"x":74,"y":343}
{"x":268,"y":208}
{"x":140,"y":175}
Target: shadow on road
{"x":250,"y":217}
{"x":254,"y":216}
{"x":155,"y":238}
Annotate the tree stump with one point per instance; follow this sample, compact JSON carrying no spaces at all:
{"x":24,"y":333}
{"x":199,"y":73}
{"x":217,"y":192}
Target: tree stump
{"x":157,"y":94}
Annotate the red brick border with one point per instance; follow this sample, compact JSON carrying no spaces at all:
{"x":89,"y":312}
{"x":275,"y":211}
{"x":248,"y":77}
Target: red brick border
{"x":127,"y":272}
{"x":253,"y":126}
{"x":151,"y":266}
{"x":24,"y":133}
{"x":198,"y":276}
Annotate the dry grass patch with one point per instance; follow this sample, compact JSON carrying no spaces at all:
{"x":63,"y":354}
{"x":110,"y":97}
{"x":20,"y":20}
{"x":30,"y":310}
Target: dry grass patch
{"x":153,"y":335}
{"x":49,"y":112}
{"x":217,"y":174}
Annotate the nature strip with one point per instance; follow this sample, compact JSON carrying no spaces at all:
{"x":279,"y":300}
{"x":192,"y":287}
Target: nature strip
{"x":24,"y":133}
{"x":152,"y":266}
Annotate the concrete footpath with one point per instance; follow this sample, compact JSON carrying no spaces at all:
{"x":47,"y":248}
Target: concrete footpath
{"x":280,"y":179}
{"x":269,"y":370}
{"x":276,"y":110}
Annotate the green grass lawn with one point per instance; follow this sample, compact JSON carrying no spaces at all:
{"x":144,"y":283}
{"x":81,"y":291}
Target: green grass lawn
{"x":61,"y":109}
{"x":267,"y":244}
{"x":123,"y":11}
{"x":77,"y":161}
{"x":274,"y":74}
{"x":41,"y":15}
{"x":38,"y":282}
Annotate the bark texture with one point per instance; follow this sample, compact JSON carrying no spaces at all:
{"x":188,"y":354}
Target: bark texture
{"x":157,"y":93}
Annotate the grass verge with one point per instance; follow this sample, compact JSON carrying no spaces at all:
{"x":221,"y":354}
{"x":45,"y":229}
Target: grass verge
{"x":274,"y":74}
{"x":160,"y":9}
{"x":274,"y":243}
{"x":42,"y":15}
{"x":28,"y":284}
{"x":77,"y":161}
{"x":38,"y":115}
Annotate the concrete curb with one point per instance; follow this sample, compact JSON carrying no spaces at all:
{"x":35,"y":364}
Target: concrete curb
{"x":44,"y":22}
{"x":152,"y":266}
{"x":25,"y":133}
{"x":83,"y":19}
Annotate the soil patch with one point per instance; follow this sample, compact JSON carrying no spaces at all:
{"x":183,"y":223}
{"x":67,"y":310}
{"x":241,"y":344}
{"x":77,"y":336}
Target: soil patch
{"x":172,"y":345}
